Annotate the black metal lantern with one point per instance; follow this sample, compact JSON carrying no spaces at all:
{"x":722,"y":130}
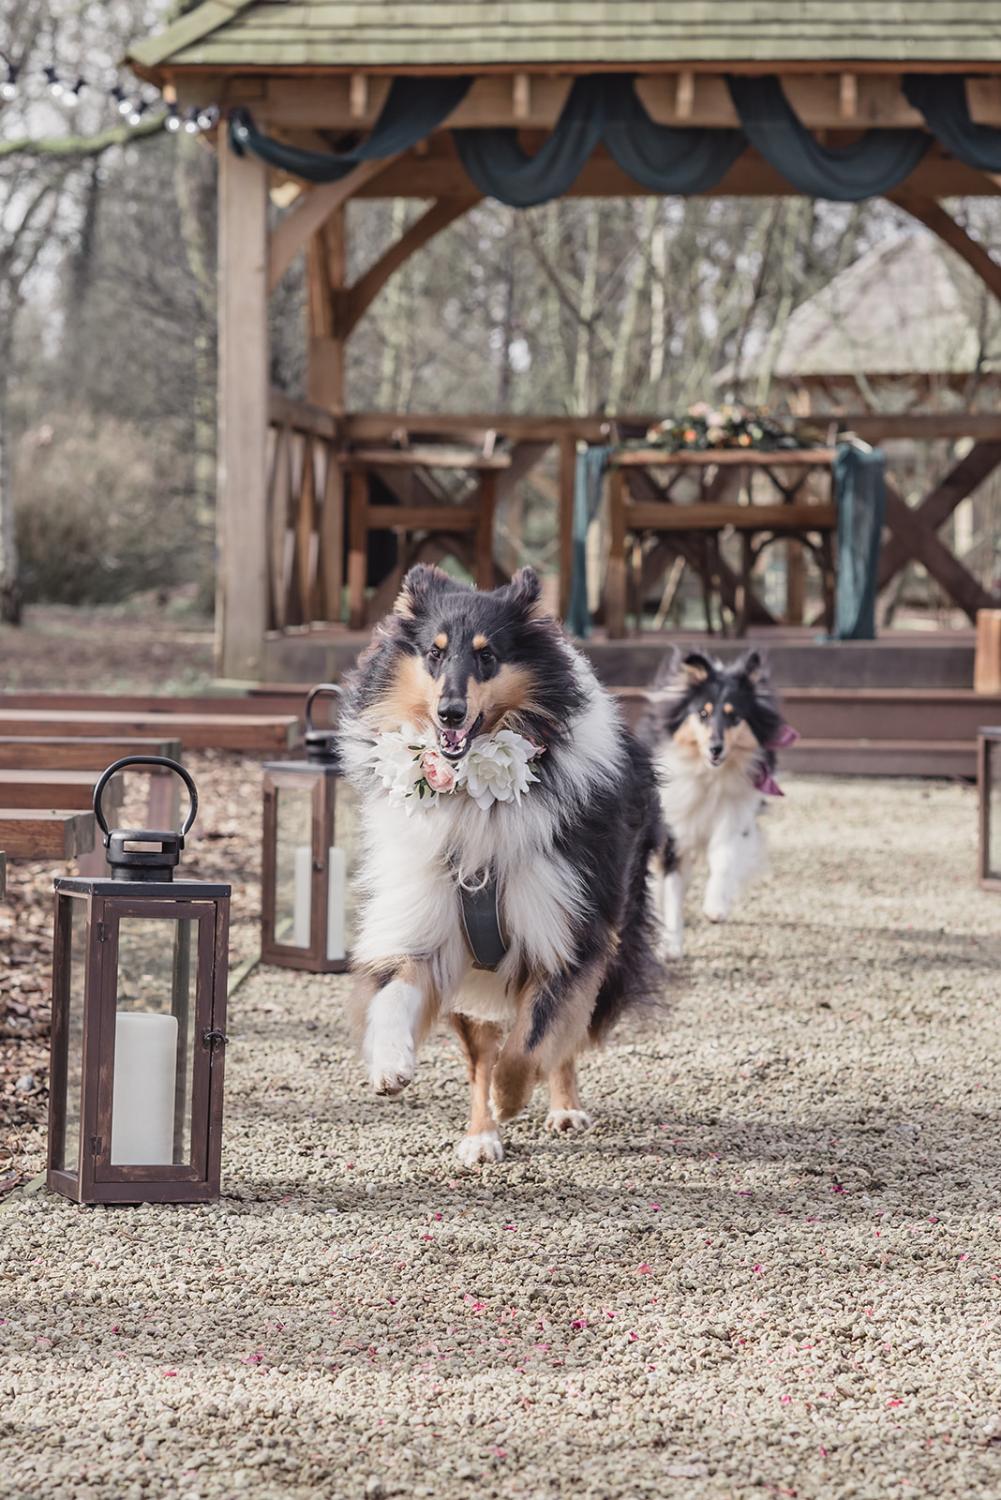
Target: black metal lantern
{"x":138,"y":1015}
{"x":989,"y":788}
{"x":309,"y":838}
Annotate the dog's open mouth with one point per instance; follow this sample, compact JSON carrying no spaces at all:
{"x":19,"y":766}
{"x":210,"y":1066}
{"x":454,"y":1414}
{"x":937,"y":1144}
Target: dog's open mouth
{"x":455,"y":742}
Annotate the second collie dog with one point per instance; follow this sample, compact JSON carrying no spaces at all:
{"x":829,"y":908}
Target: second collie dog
{"x":508,"y":819}
{"x":714,"y":730}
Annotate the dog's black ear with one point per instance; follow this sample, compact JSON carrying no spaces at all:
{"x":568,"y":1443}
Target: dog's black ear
{"x":696,"y":668}
{"x":753,"y":666}
{"x":525,"y":593}
{"x":421,"y":587}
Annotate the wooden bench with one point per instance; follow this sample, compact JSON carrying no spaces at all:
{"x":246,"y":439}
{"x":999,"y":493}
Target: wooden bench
{"x":65,"y":790}
{"x":433,"y":514}
{"x":29,"y":833}
{"x":812,"y":523}
{"x":68,"y":753}
{"x":251,"y":733}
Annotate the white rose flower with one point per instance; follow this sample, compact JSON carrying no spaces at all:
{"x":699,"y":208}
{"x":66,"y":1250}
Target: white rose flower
{"x":497,"y":768}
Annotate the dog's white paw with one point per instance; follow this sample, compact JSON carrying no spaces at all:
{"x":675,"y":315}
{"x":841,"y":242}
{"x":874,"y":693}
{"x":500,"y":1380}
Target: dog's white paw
{"x":716,"y":909}
{"x":473,"y":1149}
{"x":391,"y":1067}
{"x":671,"y":945}
{"x":565,"y":1121}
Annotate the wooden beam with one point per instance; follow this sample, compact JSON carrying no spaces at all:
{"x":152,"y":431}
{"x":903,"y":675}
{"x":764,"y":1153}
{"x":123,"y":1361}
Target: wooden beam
{"x":356,"y":300}
{"x":928,"y":548}
{"x":242,"y":588}
{"x":937,"y":506}
{"x":311,"y":212}
{"x":45,"y":835}
{"x":935,"y":218}
{"x":518,"y":98}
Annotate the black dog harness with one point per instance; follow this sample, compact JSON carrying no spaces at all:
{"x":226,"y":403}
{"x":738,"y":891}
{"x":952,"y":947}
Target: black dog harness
{"x":481,"y":918}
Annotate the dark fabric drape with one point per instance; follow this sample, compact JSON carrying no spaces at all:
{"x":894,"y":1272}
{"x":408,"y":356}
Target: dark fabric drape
{"x":413,"y":109}
{"x":877,"y":162}
{"x":589,"y":480}
{"x":605,"y":109}
{"x":860,"y":495}
{"x":941,"y":98}
{"x":501,"y":169}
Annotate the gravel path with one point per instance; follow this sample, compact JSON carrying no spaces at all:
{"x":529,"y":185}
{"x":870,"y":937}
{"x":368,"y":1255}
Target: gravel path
{"x":771,"y":1269}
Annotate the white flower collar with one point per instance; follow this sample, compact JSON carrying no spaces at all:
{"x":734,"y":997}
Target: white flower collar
{"x":496,"y":768}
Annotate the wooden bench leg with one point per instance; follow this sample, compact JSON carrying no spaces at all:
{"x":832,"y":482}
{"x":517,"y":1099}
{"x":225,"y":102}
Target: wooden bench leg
{"x":485,"y":530}
{"x":358,"y":550}
{"x":827,"y":571}
{"x":615,"y":581}
{"x":744,"y":586}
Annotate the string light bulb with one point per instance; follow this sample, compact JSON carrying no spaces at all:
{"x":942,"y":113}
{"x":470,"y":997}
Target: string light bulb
{"x":122,"y":101}
{"x":191,"y":122}
{"x":207,"y":117}
{"x":71,"y":96}
{"x":53,"y":81}
{"x":8,"y":88}
{"x":173,"y":120}
{"x":136,"y":112}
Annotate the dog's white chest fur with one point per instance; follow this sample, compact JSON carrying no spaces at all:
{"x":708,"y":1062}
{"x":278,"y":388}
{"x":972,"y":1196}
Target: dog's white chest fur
{"x":701,"y":801}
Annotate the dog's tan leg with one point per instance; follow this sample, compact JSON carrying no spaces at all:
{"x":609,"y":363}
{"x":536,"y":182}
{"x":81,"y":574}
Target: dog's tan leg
{"x":565,"y":1113}
{"x":397,"y":1017}
{"x":551,"y":1026}
{"x":481,"y":1043}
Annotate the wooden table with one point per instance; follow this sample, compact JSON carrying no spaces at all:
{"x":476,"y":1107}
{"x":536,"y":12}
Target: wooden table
{"x":433,"y":515}
{"x":640,"y":506}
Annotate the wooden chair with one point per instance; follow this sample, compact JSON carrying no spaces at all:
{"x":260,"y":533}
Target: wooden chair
{"x":431,"y":517}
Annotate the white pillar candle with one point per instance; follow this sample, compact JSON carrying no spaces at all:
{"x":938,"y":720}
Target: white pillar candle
{"x":142,"y":1104}
{"x":302,"y":896}
{"x":337,"y":890}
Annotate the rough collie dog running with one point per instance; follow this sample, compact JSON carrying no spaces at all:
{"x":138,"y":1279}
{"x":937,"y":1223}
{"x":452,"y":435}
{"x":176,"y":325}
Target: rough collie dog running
{"x":508,"y":819}
{"x":714,"y":730}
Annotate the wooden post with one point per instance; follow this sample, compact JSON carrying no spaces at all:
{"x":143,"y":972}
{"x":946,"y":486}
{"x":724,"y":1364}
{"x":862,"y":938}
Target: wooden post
{"x":327,"y":270}
{"x":568,"y":472}
{"x":615,"y":585}
{"x":987,"y":662}
{"x":487,"y":501}
{"x":241,"y":523}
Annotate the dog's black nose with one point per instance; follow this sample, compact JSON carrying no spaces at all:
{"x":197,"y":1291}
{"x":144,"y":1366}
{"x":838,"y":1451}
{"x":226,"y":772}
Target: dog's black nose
{"x":716,"y":750}
{"x":451,"y":712}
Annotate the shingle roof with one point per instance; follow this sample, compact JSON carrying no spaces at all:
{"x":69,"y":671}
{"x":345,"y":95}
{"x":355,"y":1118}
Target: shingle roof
{"x":907,"y":307}
{"x":475,"y":33}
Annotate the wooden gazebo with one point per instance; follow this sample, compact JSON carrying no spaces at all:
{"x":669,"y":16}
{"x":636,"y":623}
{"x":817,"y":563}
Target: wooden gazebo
{"x":315,"y":73}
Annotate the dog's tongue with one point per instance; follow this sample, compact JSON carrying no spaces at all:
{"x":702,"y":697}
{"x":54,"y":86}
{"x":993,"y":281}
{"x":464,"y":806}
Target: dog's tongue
{"x":453,"y":739}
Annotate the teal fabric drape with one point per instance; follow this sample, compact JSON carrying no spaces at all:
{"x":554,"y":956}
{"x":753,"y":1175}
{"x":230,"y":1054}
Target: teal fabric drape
{"x":501,"y":169}
{"x":942,"y":101}
{"x":604,"y":108}
{"x":860,"y":496}
{"x":589,"y":475}
{"x":877,"y":162}
{"x":414,"y":108}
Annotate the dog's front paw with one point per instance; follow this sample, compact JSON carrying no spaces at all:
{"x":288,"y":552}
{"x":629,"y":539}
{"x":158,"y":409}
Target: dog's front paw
{"x":568,"y":1121}
{"x":391,"y":1068}
{"x":716,"y":907}
{"x":485,"y":1146}
{"x":671,"y":945}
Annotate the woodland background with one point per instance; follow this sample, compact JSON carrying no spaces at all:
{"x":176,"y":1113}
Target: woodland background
{"x":107,"y":314}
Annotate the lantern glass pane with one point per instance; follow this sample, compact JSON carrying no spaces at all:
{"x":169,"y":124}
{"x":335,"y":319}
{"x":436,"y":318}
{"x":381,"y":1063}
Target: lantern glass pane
{"x":294,"y":864}
{"x":342,"y":861}
{"x":154,"y":1042}
{"x":994,"y":809}
{"x":74,"y":978}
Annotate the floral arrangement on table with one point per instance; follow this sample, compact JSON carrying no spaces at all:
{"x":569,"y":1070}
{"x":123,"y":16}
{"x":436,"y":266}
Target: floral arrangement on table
{"x":727,"y":426}
{"x":417,"y":773}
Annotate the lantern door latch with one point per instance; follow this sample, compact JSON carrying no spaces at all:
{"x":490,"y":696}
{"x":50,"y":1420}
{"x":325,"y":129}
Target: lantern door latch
{"x":214,"y":1038}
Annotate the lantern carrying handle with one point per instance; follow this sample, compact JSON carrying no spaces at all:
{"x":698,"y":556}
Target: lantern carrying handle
{"x":322,"y":689}
{"x":146,"y":760}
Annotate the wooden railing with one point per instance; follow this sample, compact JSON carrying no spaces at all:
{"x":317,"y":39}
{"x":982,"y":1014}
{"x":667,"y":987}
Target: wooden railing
{"x":305,"y":515}
{"x":307,"y":502}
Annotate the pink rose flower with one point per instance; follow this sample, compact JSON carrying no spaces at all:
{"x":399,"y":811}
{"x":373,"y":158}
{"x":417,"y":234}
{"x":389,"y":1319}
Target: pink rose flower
{"x":438,"y":772}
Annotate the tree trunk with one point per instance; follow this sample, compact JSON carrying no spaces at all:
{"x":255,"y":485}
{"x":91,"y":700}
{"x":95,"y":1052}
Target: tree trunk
{"x":10,"y":591}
